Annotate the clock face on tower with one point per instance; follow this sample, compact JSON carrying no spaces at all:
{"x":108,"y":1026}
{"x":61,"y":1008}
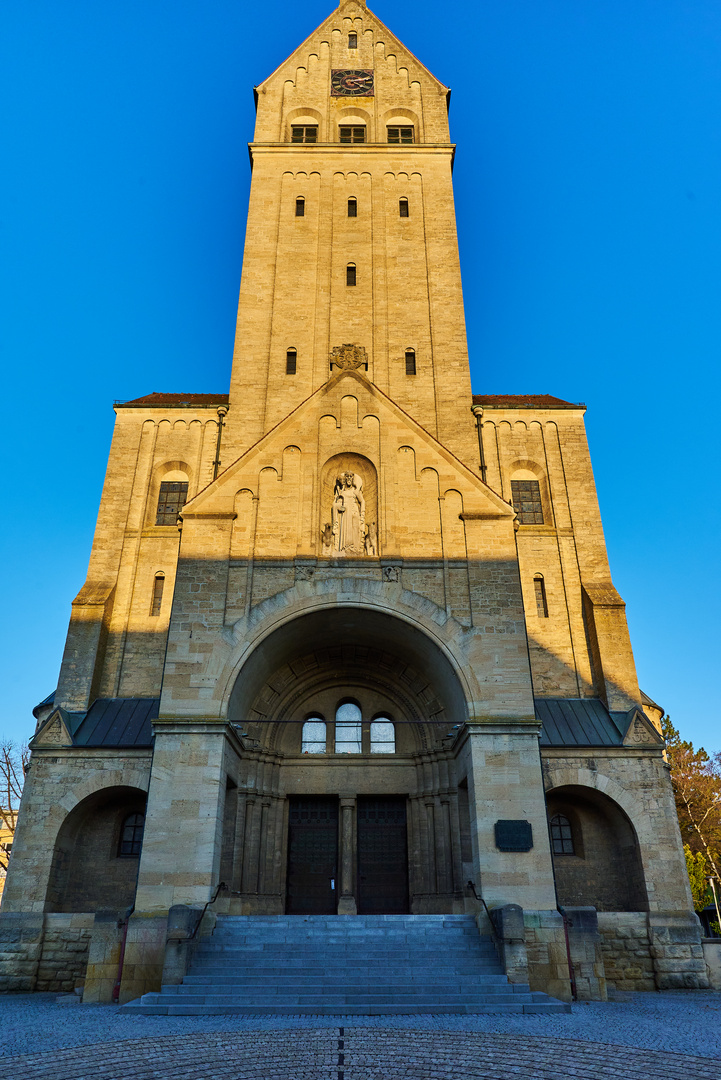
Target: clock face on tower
{"x":351,"y":83}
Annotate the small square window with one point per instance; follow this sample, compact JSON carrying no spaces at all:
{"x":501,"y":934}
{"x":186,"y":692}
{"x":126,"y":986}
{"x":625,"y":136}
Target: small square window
{"x":400,"y":135}
{"x":353,"y":134}
{"x":304,"y":133}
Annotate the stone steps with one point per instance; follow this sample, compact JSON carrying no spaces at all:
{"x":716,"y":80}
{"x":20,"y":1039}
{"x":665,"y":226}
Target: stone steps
{"x":344,"y":965}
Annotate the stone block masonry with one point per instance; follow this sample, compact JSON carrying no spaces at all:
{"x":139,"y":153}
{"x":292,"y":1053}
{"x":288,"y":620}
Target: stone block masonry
{"x":43,"y":952}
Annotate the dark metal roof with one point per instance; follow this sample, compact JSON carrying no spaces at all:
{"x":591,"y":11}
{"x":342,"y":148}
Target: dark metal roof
{"x":41,"y":704}
{"x":524,"y":401}
{"x":578,"y":722}
{"x":118,"y":722}
{"x":176,"y":401}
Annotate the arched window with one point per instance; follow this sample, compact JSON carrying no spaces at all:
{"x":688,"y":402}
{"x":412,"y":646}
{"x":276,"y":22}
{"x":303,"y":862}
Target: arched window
{"x":539,"y":587}
{"x":562,"y":835}
{"x":157,"y":601}
{"x":403,"y":207}
{"x":353,"y":40}
{"x":300,"y":207}
{"x":131,"y":836}
{"x":410,"y":361}
{"x":314,"y":737}
{"x":348,"y":729}
{"x":383,"y":736}
{"x":350,"y":274}
{"x":526,"y":499}
{"x":172,"y":498}
{"x":291,"y":362}
{"x":352,"y":207}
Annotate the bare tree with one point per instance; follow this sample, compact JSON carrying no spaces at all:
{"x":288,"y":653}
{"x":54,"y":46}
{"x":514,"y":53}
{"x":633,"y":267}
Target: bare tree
{"x":14,"y":760}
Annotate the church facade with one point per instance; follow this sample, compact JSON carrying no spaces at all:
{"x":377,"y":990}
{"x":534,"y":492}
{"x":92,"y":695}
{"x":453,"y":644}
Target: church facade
{"x":349,"y":641}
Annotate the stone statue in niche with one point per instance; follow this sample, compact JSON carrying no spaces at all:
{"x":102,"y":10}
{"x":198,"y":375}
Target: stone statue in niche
{"x":349,"y":515}
{"x":326,"y":535}
{"x":370,"y":541}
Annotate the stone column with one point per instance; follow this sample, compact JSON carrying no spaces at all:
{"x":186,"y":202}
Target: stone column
{"x":346,"y":900}
{"x":503,"y":767}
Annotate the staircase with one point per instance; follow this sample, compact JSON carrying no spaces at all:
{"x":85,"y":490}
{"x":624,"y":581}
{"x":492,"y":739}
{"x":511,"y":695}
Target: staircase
{"x":341,"y":965}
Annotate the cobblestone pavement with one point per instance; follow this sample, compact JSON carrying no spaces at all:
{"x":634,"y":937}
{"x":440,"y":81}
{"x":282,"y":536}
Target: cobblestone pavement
{"x":670,"y":1036}
{"x":349,"y":1053}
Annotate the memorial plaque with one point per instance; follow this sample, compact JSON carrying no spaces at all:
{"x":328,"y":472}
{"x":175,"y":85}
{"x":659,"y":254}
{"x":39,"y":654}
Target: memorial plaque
{"x":514,"y":835}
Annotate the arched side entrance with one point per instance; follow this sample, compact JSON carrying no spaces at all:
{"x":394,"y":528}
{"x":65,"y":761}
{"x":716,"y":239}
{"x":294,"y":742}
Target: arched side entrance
{"x":596,"y":854}
{"x":96,"y":853}
{"x":348,"y":799}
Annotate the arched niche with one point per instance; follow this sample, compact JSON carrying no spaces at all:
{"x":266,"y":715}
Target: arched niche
{"x":605,"y":870}
{"x":313,"y":662}
{"x":88,"y":870}
{"x":349,"y":507}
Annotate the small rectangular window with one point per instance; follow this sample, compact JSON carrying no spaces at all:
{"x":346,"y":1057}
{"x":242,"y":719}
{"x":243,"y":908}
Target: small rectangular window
{"x":352,"y":208}
{"x":353,"y":134}
{"x":403,"y":207}
{"x":291,"y":362}
{"x":173,"y":497}
{"x":352,"y":40}
{"x":157,"y":601}
{"x":539,"y":587}
{"x":350,"y":274}
{"x":400,"y":135}
{"x":526,"y":498}
{"x":410,"y":362}
{"x":300,"y":207}
{"x":304,"y":133}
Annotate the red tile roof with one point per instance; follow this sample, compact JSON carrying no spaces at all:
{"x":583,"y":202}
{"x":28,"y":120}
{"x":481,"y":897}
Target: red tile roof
{"x":524,"y":401}
{"x":176,"y":401}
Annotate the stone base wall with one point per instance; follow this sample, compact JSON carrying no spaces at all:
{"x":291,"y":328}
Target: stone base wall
{"x":658,"y":951}
{"x":547,"y":953}
{"x":43,"y":951}
{"x":626,"y":950}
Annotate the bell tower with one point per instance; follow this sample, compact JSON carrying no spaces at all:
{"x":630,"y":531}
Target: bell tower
{"x":351,"y":236}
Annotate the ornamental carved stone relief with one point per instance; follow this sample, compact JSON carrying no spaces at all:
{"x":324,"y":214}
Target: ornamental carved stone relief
{"x":349,"y":357}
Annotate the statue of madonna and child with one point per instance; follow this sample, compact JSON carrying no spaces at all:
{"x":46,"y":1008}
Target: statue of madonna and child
{"x":347,"y":533}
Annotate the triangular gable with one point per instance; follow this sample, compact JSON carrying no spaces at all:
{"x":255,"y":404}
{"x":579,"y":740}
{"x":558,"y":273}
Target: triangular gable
{"x":55,"y":732}
{"x":640,"y":731}
{"x":490,"y":504}
{"x":298,"y":59}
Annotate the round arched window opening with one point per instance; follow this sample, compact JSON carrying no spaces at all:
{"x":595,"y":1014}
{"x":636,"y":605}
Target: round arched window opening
{"x":348,"y":729}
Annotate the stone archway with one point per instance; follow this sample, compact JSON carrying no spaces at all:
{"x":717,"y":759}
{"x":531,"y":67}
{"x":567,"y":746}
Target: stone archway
{"x":601,"y":864}
{"x":308,"y":667}
{"x":92,"y":866}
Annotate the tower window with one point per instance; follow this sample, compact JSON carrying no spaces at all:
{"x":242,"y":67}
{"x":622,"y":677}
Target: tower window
{"x":350,"y":274}
{"x":562,"y":835}
{"x":526,"y":497}
{"x":157,"y":601}
{"x":403,"y":207}
{"x":400,"y":135}
{"x":305,"y":133}
{"x":291,"y":362}
{"x":131,"y":836}
{"x":314,"y":736}
{"x":348,"y":729}
{"x":539,"y":587}
{"x":353,"y":40}
{"x":173,"y":497}
{"x":383,"y":736}
{"x":353,"y":134}
{"x":410,"y":361}
{"x":300,"y":207}
{"x":352,"y":208}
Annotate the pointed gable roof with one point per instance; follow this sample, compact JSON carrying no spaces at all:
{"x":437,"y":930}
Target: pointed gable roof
{"x":347,"y":8}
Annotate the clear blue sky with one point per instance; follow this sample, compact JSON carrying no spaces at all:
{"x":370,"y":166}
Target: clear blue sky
{"x":588,"y":185}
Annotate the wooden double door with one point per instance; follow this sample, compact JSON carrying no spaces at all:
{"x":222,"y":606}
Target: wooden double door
{"x":381,"y":856}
